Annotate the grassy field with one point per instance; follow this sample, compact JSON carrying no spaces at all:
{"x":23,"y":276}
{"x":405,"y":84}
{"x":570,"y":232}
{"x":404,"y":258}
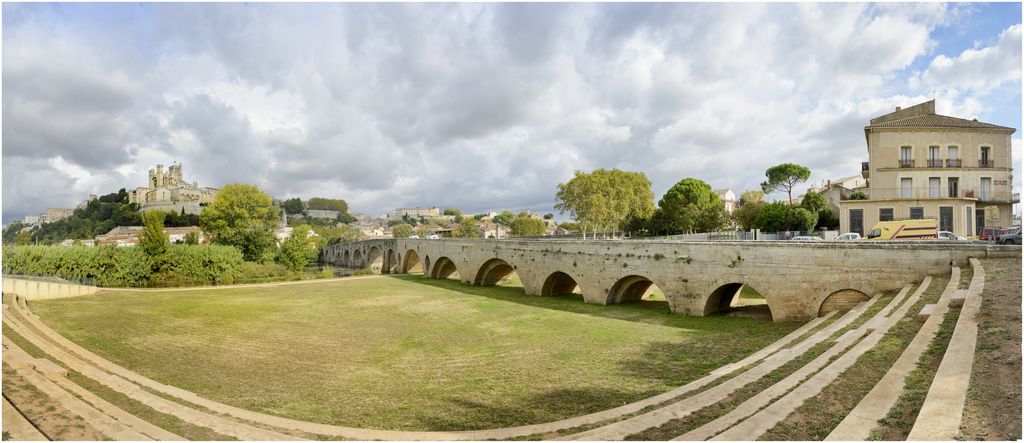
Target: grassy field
{"x":405,"y":352}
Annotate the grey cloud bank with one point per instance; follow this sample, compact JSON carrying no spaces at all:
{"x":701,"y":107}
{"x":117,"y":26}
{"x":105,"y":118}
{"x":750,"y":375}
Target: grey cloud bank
{"x":478,"y":106}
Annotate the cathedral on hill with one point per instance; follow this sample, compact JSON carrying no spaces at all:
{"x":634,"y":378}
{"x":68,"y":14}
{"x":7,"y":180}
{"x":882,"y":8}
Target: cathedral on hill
{"x":167,"y":191}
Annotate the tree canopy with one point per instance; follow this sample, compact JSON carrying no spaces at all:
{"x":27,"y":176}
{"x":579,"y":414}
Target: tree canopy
{"x":784,"y":177}
{"x":241,"y":216}
{"x":691,"y":205}
{"x":452,"y":211}
{"x":153,"y":239}
{"x":528,"y":227}
{"x":402,"y":230}
{"x":327,"y":204}
{"x":294,"y":206}
{"x":467,"y":229}
{"x":299,"y":249}
{"x":605,"y":200}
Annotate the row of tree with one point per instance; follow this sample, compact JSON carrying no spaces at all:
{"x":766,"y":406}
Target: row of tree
{"x":614,"y":200}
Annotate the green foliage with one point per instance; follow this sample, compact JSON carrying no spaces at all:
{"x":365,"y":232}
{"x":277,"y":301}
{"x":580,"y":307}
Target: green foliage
{"x":814,"y":202}
{"x":858,"y":195}
{"x":570,"y":226}
{"x":298,"y":249}
{"x":604,"y":199}
{"x":111,"y":266}
{"x":191,"y":238}
{"x":402,"y":230}
{"x":243,"y":217}
{"x":345,"y":217}
{"x":527,"y":227}
{"x":294,"y":206}
{"x":329,"y":204}
{"x":326,"y":272}
{"x":467,"y":230}
{"x":785,"y":176}
{"x":153,"y":239}
{"x":746,"y":213}
{"x":800,"y":219}
{"x":505,"y":218}
{"x":197,"y":266}
{"x":751,"y":196}
{"x":85,"y":223}
{"x":22,"y":238}
{"x":252,"y":272}
{"x":772,"y":217}
{"x":691,"y":205}
{"x":549,"y":216}
{"x":452,"y":211}
{"x":827,"y":220}
{"x":340,"y":234}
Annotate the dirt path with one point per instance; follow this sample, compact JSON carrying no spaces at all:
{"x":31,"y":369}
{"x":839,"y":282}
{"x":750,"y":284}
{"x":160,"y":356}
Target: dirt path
{"x":993,"y":408}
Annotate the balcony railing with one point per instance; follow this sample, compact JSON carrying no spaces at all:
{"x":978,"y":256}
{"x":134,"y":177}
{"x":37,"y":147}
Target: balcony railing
{"x":952,"y":163}
{"x":942,"y":192}
{"x":934,"y":163}
{"x":986,"y":163}
{"x":906,"y":163}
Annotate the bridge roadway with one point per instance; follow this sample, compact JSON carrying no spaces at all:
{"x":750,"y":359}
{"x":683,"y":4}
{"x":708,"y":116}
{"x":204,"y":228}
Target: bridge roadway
{"x":799,"y":280}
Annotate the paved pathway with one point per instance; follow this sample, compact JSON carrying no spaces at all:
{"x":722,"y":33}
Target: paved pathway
{"x":943,"y":408}
{"x":17,"y":426}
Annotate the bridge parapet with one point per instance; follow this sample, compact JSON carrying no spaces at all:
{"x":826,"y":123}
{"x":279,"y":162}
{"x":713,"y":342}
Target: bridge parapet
{"x":795,"y":278}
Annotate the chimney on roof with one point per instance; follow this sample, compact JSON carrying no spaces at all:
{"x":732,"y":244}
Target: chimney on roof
{"x":898,"y":108}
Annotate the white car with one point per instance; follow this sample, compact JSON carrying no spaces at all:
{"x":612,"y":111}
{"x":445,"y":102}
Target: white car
{"x":432,"y":237}
{"x":414,"y":236}
{"x":848,"y":236}
{"x":946,"y":235}
{"x":806,"y":238}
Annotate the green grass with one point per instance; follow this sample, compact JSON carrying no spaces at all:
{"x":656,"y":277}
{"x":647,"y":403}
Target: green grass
{"x":405,"y":352}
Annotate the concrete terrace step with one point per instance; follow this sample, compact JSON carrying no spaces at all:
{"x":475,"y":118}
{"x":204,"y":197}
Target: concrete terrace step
{"x":620,"y":430}
{"x":17,"y":426}
{"x":62,"y":399}
{"x":779,"y":389}
{"x":765,"y":419}
{"x":372,"y":434}
{"x":940,"y":415}
{"x":864,"y":417}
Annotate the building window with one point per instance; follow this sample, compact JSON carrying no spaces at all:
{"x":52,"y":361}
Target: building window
{"x":933,"y":157}
{"x":986,"y":189}
{"x":985,"y":160}
{"x":916,"y":213}
{"x":952,"y":156}
{"x":906,"y":160}
{"x":885,"y":214}
{"x":968,"y":222}
{"x":906,"y":188}
{"x":946,"y":218}
{"x":954,"y":187}
{"x":857,"y":221}
{"x":934,"y":187}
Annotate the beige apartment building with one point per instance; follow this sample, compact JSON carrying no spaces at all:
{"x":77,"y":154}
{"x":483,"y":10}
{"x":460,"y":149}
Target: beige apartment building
{"x":925,"y":165}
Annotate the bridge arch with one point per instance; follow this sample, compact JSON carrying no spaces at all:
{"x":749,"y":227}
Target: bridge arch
{"x":841,"y":300}
{"x":357,"y":259}
{"x":412,"y":264}
{"x":736,"y":296}
{"x":630,"y":288}
{"x":559,"y":283}
{"x":444,"y":268}
{"x":493,"y":271}
{"x":375,"y":258}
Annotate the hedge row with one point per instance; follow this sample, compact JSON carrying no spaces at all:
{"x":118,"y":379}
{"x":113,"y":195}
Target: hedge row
{"x":111,"y":266}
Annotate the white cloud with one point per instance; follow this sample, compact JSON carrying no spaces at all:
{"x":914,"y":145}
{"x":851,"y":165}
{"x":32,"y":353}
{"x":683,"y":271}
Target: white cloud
{"x":980,"y":69}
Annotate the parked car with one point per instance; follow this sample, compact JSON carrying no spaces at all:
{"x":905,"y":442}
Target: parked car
{"x":806,"y":238}
{"x":915,"y":229}
{"x":414,"y":236}
{"x":1010,"y":238}
{"x":946,"y":235}
{"x":432,"y":237}
{"x":848,"y":236}
{"x":989,"y":233}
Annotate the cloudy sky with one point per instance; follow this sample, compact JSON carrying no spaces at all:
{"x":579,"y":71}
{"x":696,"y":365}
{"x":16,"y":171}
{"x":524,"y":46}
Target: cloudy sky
{"x":477,"y":106}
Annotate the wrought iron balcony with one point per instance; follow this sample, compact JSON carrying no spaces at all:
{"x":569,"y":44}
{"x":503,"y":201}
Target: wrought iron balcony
{"x":906,"y":163}
{"x":953,"y":163}
{"x":986,"y":163}
{"x":934,"y":163}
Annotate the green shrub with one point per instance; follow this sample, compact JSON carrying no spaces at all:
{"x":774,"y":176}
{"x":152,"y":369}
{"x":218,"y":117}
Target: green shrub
{"x":252,"y":272}
{"x":186,"y":265}
{"x":364,"y":271}
{"x":327,"y":272}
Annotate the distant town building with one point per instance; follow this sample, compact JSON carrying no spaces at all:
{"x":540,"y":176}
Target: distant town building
{"x":322,"y":214}
{"x":728,"y":199}
{"x":492,"y":230}
{"x":32,"y":219}
{"x":417,"y":212}
{"x":925,"y":165}
{"x":840,"y":189}
{"x":168,"y":191}
{"x":57,"y":214}
{"x":71,"y":242}
{"x":129,"y":235}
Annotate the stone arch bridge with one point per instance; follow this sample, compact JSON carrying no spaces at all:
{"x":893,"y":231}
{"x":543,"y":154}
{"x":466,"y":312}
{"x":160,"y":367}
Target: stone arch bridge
{"x":799,"y":280}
